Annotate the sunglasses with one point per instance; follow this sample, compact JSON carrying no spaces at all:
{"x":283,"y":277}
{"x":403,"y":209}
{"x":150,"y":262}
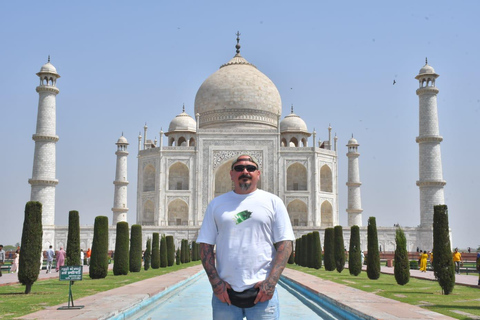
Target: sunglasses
{"x":240,"y":168}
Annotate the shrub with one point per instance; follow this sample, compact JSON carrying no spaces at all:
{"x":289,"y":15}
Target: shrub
{"x":317,"y":250}
{"x":136,"y":248}
{"x":297,"y":252}
{"x":401,"y":262}
{"x":305,"y":250}
{"x":194,"y":251}
{"x":328,"y":255}
{"x":156,"y":251}
{"x":29,"y":261}
{"x":170,"y":251}
{"x":147,"y":257}
{"x":120,"y":263}
{"x":354,"y":252}
{"x":413,"y":264}
{"x":163,"y":252}
{"x":73,"y":240}
{"x":291,"y":259}
{"x":99,"y":257}
{"x":178,"y":256}
{"x":339,"y":248}
{"x":373,"y":258}
{"x":310,"y":250}
{"x":443,"y":266}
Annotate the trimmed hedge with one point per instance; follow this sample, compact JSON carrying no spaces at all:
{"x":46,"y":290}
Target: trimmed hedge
{"x":178,"y":257}
{"x":401,"y":262}
{"x":354,"y":252}
{"x":73,"y":240}
{"x":170,"y":251}
{"x":122,"y":256}
{"x":443,"y":266}
{"x":99,"y":257}
{"x":29,"y":261}
{"x":136,"y":248}
{"x":304,"y":250}
{"x":297,"y":250}
{"x":156,"y":251}
{"x":163,"y":252}
{"x":310,"y":250}
{"x":147,"y":256}
{"x":328,"y":255}
{"x":373,"y":257}
{"x":317,"y":250}
{"x":339,"y":248}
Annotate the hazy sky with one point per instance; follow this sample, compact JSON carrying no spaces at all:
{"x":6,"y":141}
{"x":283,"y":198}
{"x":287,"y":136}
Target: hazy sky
{"x":124,"y":64}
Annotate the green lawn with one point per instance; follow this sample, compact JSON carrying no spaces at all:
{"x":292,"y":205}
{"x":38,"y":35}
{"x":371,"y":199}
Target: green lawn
{"x":14,"y":303}
{"x":424,"y":293}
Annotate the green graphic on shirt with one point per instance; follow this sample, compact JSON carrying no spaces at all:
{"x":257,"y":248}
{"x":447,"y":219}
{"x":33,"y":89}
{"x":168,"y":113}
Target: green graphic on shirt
{"x":242,"y":216}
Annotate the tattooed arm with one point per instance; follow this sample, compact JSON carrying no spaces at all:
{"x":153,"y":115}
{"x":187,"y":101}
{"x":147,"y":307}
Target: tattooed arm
{"x":218,"y":285}
{"x":267,"y":287}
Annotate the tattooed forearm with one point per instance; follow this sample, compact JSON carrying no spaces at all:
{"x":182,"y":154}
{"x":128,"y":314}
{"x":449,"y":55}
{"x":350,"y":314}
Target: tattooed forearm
{"x":208,"y":261}
{"x":284,"y":249}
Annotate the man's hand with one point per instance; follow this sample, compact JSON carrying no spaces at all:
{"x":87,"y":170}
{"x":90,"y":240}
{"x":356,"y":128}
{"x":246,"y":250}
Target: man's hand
{"x":220,"y":291}
{"x":267,"y":289}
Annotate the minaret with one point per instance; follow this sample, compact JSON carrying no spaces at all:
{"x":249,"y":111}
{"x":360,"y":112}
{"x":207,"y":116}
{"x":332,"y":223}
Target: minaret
{"x":120,"y":208}
{"x":354,"y":208}
{"x":431,"y":181}
{"x":43,"y":179}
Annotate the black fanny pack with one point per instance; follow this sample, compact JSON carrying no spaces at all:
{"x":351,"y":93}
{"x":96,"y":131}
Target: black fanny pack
{"x":243,"y":299}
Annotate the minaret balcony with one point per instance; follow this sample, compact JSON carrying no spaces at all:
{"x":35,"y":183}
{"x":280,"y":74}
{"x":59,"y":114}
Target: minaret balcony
{"x":427,"y":139}
{"x":120,"y":183}
{"x":427,"y":90}
{"x":43,"y":182}
{"x":431,"y":183}
{"x":48,"y":89}
{"x":353,"y":184}
{"x":44,"y":138}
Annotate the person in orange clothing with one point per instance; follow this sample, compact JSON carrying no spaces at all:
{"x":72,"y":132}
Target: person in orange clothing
{"x":88,"y":254}
{"x":423,"y":261}
{"x":457,"y":259}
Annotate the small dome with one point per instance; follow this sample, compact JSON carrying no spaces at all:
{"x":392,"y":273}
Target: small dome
{"x":293,"y":123}
{"x":122,"y":140}
{"x":182,"y":122}
{"x":426,"y":69}
{"x":352,"y":142}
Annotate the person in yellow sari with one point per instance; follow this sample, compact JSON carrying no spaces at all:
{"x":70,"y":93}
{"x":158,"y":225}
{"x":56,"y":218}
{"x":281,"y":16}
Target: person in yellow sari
{"x":423,"y":261}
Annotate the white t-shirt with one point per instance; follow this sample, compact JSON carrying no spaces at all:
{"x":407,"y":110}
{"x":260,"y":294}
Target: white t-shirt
{"x":245,"y":227}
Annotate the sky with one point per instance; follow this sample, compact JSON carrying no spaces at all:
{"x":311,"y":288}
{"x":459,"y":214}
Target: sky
{"x":124,"y":64}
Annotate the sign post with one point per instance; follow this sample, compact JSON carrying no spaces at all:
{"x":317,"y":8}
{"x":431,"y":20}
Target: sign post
{"x":72,"y":274}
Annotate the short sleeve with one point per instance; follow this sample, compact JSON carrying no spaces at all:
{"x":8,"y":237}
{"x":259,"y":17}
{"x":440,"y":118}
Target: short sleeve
{"x":208,"y":230}
{"x":282,"y":229}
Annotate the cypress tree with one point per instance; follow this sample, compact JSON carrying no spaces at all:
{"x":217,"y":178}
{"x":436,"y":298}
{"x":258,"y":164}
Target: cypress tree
{"x":443,"y":266}
{"x":317,"y":250}
{"x":194,"y":251}
{"x":178,"y":257}
{"x":291,"y":258}
{"x":328,"y":255}
{"x":310,"y":250}
{"x":187,"y":253}
{"x":373,"y":256}
{"x":73,"y":240}
{"x":170,"y":251}
{"x":156,"y":251}
{"x":355,"y":253}
{"x":402,"y":264}
{"x":339,"y":248}
{"x":163,"y":252}
{"x":304,"y":250}
{"x":198,"y":251}
{"x":120,"y":263}
{"x":99,"y":257}
{"x":182,"y":251}
{"x":29,"y":261}
{"x":147,"y":257}
{"x":136,"y":248}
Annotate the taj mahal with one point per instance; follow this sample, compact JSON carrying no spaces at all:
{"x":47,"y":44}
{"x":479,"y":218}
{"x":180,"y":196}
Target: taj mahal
{"x":237,"y":111}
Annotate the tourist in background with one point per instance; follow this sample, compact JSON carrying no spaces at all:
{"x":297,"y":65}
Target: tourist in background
{"x":60,"y":258}
{"x":2,"y":258}
{"x":457,"y":259}
{"x":16,"y":258}
{"x":423,"y":261}
{"x":88,"y":254}
{"x":478,"y":267}
{"x":50,"y":256}
{"x":82,"y":256}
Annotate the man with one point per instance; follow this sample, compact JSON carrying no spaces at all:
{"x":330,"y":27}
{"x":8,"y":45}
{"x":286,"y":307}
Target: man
{"x":253,"y":234}
{"x":457,"y":259}
{"x":50,"y":256}
{"x":2,"y":258}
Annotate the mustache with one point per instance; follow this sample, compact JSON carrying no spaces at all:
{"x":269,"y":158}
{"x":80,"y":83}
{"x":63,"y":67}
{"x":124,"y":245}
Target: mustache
{"x":245,"y":176}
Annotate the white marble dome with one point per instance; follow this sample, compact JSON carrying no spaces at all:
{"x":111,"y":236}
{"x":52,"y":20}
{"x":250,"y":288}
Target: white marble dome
{"x":238,"y":95}
{"x":352,"y":142}
{"x":122,"y":140}
{"x":182,"y":122}
{"x":293,"y":123}
{"x":426,"y":69}
{"x":48,"y":68}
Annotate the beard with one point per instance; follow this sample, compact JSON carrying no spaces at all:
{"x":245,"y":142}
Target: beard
{"x":244,"y":183}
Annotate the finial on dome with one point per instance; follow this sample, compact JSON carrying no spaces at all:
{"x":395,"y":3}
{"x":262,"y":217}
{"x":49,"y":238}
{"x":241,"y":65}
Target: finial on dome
{"x":426,"y":61}
{"x":238,"y":42}
{"x":291,"y":110}
{"x":183,"y":110}
{"x":49,"y":58}
{"x":352,"y":135}
{"x":122,"y":133}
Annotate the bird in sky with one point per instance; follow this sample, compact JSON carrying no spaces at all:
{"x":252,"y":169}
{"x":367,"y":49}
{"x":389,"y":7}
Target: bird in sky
{"x":394,"y":81}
